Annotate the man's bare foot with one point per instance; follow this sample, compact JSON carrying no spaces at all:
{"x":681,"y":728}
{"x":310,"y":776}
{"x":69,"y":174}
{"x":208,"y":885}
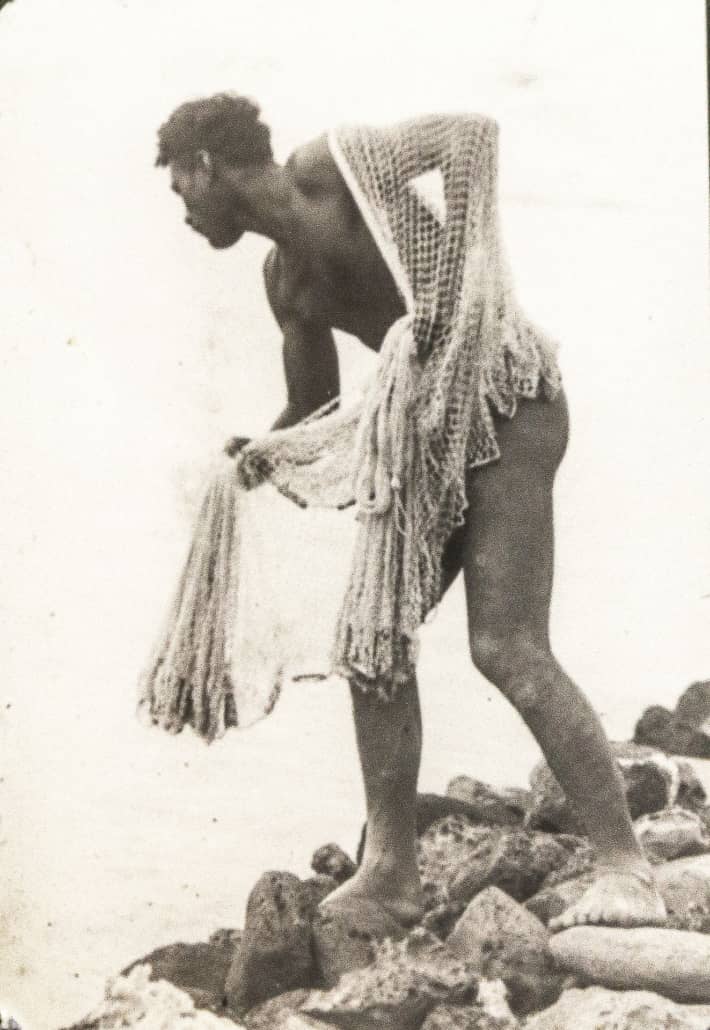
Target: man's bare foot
{"x":620,"y":897}
{"x":402,"y":900}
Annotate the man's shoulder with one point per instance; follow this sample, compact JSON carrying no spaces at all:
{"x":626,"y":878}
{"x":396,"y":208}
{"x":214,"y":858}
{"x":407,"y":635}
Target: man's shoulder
{"x":312,"y":165}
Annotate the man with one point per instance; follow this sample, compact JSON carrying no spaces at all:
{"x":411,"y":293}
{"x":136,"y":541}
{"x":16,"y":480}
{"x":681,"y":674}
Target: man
{"x":328,"y":271}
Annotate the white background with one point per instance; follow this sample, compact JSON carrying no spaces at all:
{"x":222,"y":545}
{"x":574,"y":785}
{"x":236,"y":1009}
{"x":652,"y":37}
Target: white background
{"x":130,"y":350}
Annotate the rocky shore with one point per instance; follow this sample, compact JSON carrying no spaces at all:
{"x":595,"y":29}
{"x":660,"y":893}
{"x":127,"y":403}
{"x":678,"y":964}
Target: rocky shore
{"x":496,"y":866}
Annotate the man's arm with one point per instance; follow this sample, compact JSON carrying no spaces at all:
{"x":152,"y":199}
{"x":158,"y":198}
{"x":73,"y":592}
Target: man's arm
{"x":310,"y":361}
{"x":310,"y":366}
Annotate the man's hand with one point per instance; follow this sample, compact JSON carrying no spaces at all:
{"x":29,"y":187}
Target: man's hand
{"x":234,"y":445}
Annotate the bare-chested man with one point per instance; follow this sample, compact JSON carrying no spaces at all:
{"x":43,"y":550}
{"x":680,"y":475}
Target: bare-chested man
{"x":325,"y":272}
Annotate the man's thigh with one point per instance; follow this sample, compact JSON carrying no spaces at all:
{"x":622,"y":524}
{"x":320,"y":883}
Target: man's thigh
{"x":505,"y":547}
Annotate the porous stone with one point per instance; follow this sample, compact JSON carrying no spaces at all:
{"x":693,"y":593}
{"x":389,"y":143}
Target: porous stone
{"x":198,"y":969}
{"x":330,"y":860}
{"x":275,"y":1013}
{"x":345,"y":937}
{"x":404,"y":983}
{"x":467,"y":1017}
{"x":448,"y":846}
{"x":135,"y":999}
{"x":499,"y":938}
{"x":518,"y":863}
{"x":275,"y":954}
{"x":685,"y":731}
{"x":596,"y":1008}
{"x":505,"y":807}
{"x":691,"y":793}
{"x":431,"y":808}
{"x":685,"y":886}
{"x":673,"y":963}
{"x":458,"y":858}
{"x":651,"y":780}
{"x":693,"y":708}
{"x":317,"y":889}
{"x":671,"y":833}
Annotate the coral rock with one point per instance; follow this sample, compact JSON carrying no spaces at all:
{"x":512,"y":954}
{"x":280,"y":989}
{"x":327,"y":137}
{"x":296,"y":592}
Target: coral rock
{"x":198,"y":969}
{"x":448,"y":846}
{"x":331,"y":860}
{"x":673,"y":963}
{"x":652,"y":781}
{"x":518,"y":863}
{"x":686,"y":731}
{"x":346,"y":937}
{"x":275,"y":1013}
{"x":499,"y":938}
{"x":506,"y":807}
{"x":672,"y":833}
{"x":275,"y":954}
{"x":406,"y":981}
{"x":596,"y":1008}
{"x":137,"y":1000}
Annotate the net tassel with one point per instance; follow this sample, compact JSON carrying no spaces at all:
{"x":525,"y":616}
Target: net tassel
{"x":188,"y":679}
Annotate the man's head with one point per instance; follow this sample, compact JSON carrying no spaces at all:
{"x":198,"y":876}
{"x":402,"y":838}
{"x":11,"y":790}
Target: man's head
{"x":197,"y":142}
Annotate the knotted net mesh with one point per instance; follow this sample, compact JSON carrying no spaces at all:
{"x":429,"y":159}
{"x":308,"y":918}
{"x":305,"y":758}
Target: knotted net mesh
{"x":427,"y":191}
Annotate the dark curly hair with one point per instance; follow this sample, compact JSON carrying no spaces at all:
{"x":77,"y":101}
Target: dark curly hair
{"x":225,"y":124}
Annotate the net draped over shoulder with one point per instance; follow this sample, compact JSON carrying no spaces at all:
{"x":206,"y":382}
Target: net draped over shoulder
{"x":427,"y":191}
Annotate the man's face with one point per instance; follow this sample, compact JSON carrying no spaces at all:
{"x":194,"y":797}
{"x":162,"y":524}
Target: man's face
{"x":209,"y":208}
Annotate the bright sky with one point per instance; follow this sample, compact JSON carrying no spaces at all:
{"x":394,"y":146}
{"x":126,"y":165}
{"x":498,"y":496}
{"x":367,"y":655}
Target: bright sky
{"x":131,"y":351}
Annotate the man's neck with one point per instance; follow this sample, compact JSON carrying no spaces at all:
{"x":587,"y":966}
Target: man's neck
{"x":264,"y":195}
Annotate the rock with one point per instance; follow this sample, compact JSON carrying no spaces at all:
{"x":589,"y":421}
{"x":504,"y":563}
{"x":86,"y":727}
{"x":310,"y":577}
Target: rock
{"x":691,"y":793}
{"x":548,"y":809}
{"x":275,"y":1013}
{"x":686,"y":731}
{"x":486,"y":804}
{"x":499,"y":938}
{"x":441,"y":919}
{"x":406,"y":981}
{"x":448,"y":846}
{"x":551,"y":902}
{"x":318,"y":888}
{"x":432,"y":807}
{"x":331,"y":860}
{"x":137,"y":1000}
{"x":651,"y":778}
{"x":597,"y":1008}
{"x":275,"y":954}
{"x":198,"y":969}
{"x":457,"y":859}
{"x":671,"y":833}
{"x":467,"y":1017}
{"x":693,"y":708}
{"x":685,"y":886}
{"x":346,"y":937}
{"x":518,"y":863}
{"x":673,"y":963}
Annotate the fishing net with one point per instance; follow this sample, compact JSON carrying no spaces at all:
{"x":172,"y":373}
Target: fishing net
{"x":427,"y":191}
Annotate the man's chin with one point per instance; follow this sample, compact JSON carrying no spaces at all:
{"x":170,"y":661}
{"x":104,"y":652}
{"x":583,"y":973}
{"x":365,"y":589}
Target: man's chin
{"x":223,"y":242}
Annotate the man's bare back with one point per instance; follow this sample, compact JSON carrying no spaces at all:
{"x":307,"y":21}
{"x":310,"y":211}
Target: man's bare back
{"x":326,"y":272}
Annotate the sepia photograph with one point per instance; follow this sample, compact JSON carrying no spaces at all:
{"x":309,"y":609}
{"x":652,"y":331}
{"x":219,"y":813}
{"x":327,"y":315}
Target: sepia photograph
{"x":356,"y":522}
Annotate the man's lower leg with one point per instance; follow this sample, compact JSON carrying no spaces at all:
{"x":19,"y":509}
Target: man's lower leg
{"x":389,"y":744}
{"x":573,"y":741}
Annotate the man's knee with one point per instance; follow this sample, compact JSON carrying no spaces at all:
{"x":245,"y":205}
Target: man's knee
{"x":517,"y":664}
